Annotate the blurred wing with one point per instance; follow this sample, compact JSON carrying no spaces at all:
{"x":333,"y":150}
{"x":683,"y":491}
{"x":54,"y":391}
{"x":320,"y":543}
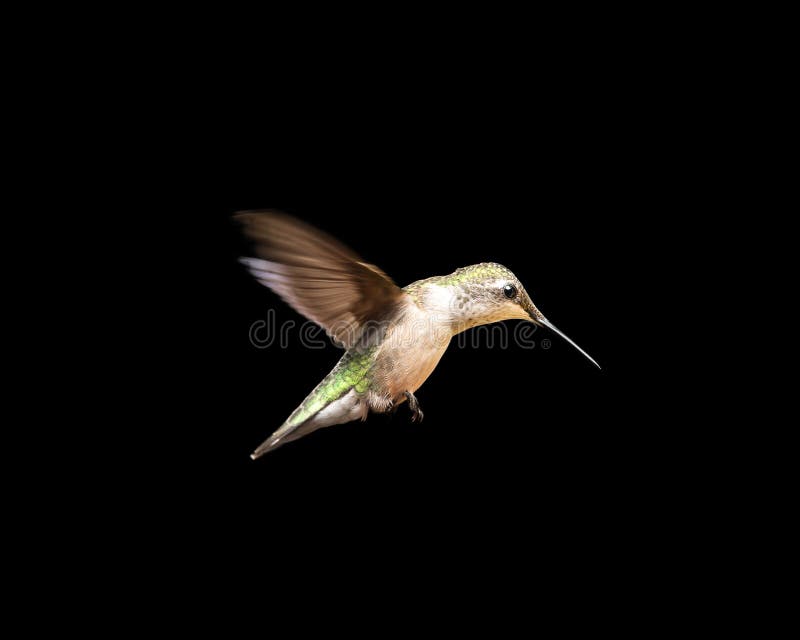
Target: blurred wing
{"x":317,"y":275}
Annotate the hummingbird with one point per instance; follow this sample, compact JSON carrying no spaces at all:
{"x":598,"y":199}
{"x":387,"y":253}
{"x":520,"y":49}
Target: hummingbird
{"x":393,"y":337}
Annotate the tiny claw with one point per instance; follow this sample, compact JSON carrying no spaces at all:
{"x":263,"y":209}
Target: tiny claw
{"x":413,"y":403}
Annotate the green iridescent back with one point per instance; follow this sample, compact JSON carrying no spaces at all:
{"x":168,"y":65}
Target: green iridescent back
{"x":350,"y":372}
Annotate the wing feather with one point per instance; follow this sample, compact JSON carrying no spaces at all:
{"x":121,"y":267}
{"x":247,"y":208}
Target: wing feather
{"x":317,"y":275}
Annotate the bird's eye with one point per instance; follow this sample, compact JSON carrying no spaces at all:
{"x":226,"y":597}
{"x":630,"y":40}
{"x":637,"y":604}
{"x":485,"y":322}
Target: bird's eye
{"x":510,"y":291}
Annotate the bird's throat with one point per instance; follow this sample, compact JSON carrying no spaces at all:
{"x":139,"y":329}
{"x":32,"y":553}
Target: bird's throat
{"x":458,"y":307}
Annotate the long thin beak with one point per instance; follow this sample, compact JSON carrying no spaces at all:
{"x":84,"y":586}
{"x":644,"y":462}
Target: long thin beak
{"x":546,"y":323}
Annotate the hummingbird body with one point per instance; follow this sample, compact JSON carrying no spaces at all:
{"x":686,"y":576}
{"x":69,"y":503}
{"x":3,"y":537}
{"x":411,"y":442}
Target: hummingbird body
{"x":394,"y":338}
{"x":371,"y":378}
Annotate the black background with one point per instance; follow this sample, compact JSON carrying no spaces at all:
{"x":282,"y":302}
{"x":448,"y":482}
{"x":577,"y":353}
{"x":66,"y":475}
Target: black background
{"x":507,"y":432}
{"x":556,"y":158}
{"x":558,"y":184}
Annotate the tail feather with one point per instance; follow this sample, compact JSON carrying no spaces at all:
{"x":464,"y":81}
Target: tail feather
{"x":286,"y":433}
{"x":347,"y":407}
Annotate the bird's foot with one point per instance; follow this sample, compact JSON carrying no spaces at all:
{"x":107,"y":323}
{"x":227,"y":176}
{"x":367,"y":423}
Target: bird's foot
{"x":413,"y":404}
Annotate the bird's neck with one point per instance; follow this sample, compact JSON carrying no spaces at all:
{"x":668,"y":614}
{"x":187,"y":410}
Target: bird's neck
{"x":455,"y":306}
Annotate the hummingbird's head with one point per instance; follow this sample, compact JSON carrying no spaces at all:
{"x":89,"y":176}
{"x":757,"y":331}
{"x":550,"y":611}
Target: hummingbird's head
{"x":489,"y":292}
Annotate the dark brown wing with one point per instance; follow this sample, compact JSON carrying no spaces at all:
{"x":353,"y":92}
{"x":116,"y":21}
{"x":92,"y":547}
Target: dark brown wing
{"x":317,"y":275}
